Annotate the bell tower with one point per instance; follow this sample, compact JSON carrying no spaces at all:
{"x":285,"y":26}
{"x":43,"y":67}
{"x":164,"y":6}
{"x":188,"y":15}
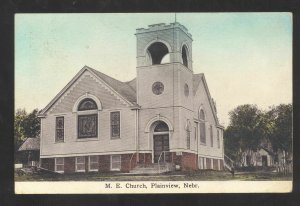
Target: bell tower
{"x":164,"y":66}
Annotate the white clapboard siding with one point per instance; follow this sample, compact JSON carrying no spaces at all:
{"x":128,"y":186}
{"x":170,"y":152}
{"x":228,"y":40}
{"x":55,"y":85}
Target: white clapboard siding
{"x":86,"y":83}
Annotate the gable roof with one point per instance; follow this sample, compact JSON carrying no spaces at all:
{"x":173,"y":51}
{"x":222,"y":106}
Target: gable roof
{"x":124,"y":90}
{"x":30,"y":144}
{"x":197,"y":78}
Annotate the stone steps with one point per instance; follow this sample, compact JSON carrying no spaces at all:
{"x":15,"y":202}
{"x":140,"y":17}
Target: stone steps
{"x":152,"y":169}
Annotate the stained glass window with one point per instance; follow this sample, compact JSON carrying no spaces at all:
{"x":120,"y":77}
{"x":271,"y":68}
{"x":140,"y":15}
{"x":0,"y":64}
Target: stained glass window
{"x":202,"y":127}
{"x":87,"y":126}
{"x":202,"y":133}
{"x":59,"y":136}
{"x":218,"y":138}
{"x":188,"y":139}
{"x":115,"y":124}
{"x":87,"y":104}
{"x":211,"y":136}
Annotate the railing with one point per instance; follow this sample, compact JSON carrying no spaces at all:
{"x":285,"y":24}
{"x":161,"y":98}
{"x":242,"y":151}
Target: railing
{"x":162,"y":154}
{"x":131,"y":160}
{"x":229,"y":165}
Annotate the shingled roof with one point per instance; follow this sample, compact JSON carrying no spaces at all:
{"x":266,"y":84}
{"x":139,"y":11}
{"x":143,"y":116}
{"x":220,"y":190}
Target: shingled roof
{"x":126,"y":89}
{"x":30,"y":144}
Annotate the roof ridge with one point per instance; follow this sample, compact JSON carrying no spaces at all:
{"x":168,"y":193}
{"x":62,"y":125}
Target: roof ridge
{"x":104,"y":74}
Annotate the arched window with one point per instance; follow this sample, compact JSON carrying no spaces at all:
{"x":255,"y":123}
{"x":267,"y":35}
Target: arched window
{"x":156,"y":53}
{"x":161,"y":127}
{"x":202,"y":127}
{"x":184,"y":54}
{"x":87,"y":119}
{"x":87,"y":104}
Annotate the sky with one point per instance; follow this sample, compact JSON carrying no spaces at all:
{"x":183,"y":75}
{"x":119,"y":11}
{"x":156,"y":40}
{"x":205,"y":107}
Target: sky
{"x":246,"y":57}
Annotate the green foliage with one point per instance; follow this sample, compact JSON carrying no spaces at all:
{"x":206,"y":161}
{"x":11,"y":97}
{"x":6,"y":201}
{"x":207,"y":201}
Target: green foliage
{"x":249,"y":127}
{"x":26,"y":125}
{"x":280,"y":123}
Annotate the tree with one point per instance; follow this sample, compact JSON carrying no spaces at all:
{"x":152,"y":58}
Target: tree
{"x":280,"y":121}
{"x":244,"y":132}
{"x":19,"y":136}
{"x":250,"y":128}
{"x":25,"y":125}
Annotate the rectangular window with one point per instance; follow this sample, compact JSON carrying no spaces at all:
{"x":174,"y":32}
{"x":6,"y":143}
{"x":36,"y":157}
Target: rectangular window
{"x":201,"y":163}
{"x":59,"y":164}
{"x":218,"y":138}
{"x":80,"y":164}
{"x":202,"y":133}
{"x":115,"y":162}
{"x":59,"y":127}
{"x":87,"y":126}
{"x":115,"y":124}
{"x":93,"y":163}
{"x":195,"y":131}
{"x":188,"y":140}
{"x":211,"y":136}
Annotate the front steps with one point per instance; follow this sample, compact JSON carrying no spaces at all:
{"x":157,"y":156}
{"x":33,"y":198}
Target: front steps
{"x":153,"y":168}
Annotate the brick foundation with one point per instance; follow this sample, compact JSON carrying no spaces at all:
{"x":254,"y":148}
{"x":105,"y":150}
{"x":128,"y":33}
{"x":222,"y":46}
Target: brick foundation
{"x":186,"y":161}
{"x":145,"y":158}
{"x":69,"y":164}
{"x":48,"y":163}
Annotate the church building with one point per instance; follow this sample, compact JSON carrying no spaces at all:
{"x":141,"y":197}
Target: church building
{"x":164,"y":119}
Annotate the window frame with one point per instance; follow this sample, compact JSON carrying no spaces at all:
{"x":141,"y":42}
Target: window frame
{"x":211,"y":136}
{"x":202,"y":127}
{"x":89,"y":163}
{"x":85,"y":115}
{"x":188,"y":139}
{"x":218,"y":138}
{"x":55,"y":165}
{"x":111,"y":125}
{"x":56,"y":129}
{"x":111,"y":163}
{"x":76,"y":163}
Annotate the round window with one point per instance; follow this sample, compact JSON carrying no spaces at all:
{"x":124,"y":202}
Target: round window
{"x":157,"y":88}
{"x":186,"y":90}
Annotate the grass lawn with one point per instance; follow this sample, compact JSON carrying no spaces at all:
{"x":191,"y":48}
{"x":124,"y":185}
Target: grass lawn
{"x":174,"y":176}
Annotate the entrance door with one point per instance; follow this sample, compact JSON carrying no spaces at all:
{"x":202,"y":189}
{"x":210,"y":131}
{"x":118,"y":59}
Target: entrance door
{"x":264,"y":160}
{"x":161,"y":143}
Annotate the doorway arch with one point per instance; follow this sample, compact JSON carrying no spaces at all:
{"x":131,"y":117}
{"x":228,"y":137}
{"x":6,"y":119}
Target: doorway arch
{"x":161,"y":141}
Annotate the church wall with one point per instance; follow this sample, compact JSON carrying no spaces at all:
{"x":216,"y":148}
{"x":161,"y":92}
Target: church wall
{"x":146,"y":139}
{"x":102,"y":144}
{"x":201,"y":100}
{"x":157,"y":73}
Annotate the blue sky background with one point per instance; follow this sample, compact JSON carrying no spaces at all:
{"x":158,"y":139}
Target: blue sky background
{"x":246,"y":57}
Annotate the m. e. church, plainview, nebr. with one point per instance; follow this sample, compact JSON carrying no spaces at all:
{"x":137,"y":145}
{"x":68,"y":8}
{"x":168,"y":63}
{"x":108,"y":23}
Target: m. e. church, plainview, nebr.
{"x":164,"y":119}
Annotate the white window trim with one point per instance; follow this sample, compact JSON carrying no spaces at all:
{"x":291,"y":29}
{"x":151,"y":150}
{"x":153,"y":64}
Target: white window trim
{"x":114,"y":138}
{"x":89,"y":163}
{"x":63,"y":129}
{"x":211,"y":134}
{"x":115,"y":169}
{"x":55,"y":164}
{"x":76,"y":170}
